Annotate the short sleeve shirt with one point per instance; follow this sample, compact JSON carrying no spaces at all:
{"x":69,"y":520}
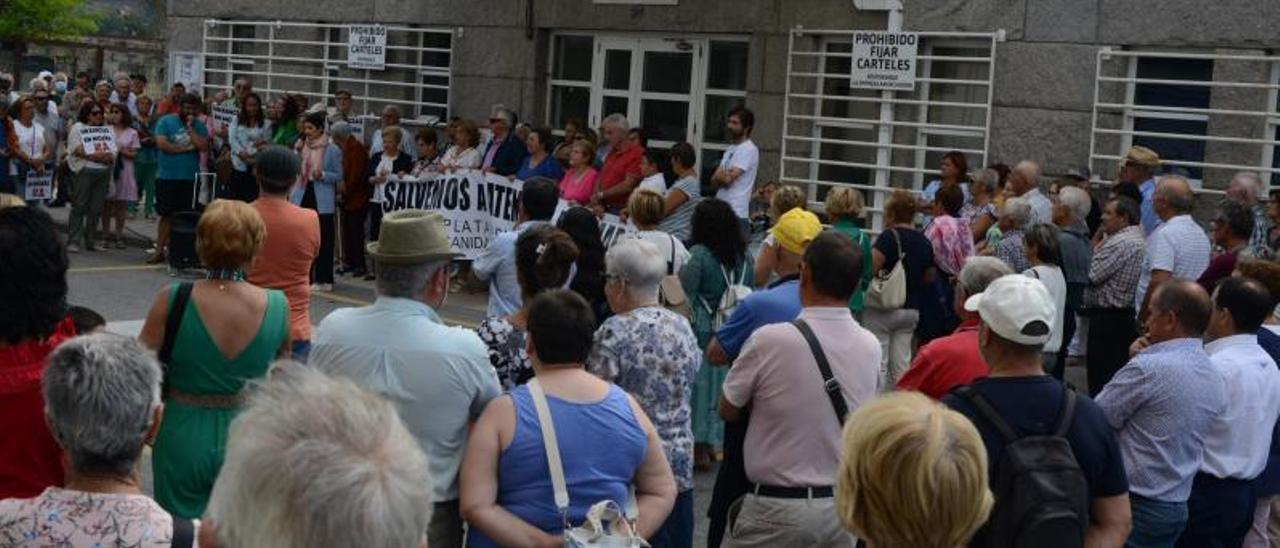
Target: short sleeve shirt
{"x":182,"y":166}
{"x":919,"y":253}
{"x":746,"y":157}
{"x":1178,"y":246}
{"x":617,"y":166}
{"x":777,"y":304}
{"x":652,"y":353}
{"x":1032,"y":405}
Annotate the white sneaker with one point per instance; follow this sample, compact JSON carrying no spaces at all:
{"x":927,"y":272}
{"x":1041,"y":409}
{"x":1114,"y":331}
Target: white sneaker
{"x":322,"y":287}
{"x":73,"y":248}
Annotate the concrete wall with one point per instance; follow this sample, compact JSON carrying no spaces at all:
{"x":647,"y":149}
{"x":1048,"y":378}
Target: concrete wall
{"x":1045,"y":71}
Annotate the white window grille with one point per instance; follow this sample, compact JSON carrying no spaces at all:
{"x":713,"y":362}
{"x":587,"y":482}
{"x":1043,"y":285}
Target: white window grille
{"x":1207,"y":115}
{"x":875,"y":141}
{"x":311,"y":59}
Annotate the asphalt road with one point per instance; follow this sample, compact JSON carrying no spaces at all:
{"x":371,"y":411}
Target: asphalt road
{"x":118,"y":285}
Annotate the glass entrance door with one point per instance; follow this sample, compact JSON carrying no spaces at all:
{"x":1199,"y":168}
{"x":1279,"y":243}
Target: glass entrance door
{"x":653,"y":82}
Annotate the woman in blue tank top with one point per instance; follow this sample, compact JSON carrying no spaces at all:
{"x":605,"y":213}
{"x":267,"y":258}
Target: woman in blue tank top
{"x":607,"y":444}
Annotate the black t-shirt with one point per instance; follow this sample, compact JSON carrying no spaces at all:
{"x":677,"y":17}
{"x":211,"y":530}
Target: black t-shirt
{"x":919,"y":258}
{"x":1032,"y":405}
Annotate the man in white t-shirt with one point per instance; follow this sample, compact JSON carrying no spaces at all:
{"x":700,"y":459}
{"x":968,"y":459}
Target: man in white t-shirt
{"x":736,"y":176}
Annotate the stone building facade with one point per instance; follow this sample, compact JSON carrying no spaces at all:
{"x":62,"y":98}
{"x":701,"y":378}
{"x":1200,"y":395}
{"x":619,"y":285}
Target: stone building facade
{"x":679,"y":65}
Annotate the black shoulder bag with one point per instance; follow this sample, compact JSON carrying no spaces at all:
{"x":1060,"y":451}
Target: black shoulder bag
{"x":829,"y":383}
{"x":172,"y":322}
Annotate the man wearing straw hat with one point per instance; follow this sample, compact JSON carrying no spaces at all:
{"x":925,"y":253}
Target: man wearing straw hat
{"x":1139,"y":167}
{"x":438,"y":376}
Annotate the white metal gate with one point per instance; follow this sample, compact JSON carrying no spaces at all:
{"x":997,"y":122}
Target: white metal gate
{"x":311,"y":59}
{"x":877,"y":141}
{"x":1208,"y":115}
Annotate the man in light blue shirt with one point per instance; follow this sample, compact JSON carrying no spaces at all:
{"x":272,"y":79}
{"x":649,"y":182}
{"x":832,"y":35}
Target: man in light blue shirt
{"x":1162,"y":405}
{"x":497,"y":265}
{"x":1178,"y":248}
{"x":1139,"y":166}
{"x":438,"y":376}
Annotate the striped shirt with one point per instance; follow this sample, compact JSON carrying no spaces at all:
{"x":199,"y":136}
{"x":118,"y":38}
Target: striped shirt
{"x":1010,"y":251}
{"x":1178,"y":246}
{"x":1115,"y":269}
{"x":1162,"y":404}
{"x":679,"y":223}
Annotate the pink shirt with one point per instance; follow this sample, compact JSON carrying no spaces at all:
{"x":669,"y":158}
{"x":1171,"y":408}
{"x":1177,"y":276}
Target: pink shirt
{"x":578,"y":189}
{"x":793,"y":439}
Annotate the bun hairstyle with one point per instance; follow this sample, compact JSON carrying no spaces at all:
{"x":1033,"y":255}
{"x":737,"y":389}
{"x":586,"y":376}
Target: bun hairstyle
{"x":544,"y":259}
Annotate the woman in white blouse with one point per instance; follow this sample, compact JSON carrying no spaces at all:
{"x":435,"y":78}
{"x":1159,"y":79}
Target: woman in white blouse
{"x":464,"y":154}
{"x":1041,"y":246}
{"x":30,"y":152}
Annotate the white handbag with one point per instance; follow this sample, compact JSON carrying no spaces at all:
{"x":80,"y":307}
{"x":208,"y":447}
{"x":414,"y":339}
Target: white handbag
{"x":606,"y":525}
{"x":888,"y":289}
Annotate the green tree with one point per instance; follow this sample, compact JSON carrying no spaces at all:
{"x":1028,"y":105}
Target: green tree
{"x":26,"y":20}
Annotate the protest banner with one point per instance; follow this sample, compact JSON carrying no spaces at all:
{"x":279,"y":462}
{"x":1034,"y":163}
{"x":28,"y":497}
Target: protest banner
{"x":367,"y":47}
{"x":476,"y":206}
{"x":39,"y":187}
{"x":97,"y":139}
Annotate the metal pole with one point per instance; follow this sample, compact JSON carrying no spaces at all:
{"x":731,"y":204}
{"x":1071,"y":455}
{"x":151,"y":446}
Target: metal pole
{"x":884,"y":154}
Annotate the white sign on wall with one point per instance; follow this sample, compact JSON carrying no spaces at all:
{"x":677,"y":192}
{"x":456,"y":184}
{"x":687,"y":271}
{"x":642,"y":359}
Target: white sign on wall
{"x":187,"y":67}
{"x":367,"y":47}
{"x":884,"y":60}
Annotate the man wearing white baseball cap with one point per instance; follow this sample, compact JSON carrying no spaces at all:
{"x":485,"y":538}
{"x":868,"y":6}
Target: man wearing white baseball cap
{"x":1017,"y":315}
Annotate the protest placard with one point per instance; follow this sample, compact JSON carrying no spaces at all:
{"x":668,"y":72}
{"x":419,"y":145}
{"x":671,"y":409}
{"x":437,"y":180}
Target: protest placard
{"x":39,"y":187}
{"x":225,"y":117}
{"x":97,"y":139}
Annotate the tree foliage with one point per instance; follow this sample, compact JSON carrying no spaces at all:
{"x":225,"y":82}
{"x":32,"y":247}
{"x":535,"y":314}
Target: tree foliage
{"x":25,"y":20}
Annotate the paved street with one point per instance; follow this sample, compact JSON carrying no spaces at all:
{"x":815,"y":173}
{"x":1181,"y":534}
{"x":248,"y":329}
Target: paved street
{"x":117,"y":284}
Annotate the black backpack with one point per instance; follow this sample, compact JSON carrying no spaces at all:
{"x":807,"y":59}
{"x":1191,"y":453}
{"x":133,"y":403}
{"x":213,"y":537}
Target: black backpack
{"x":1042,"y":498}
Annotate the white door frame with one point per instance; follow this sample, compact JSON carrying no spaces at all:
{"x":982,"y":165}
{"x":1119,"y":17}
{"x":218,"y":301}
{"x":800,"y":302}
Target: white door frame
{"x":635,"y":94}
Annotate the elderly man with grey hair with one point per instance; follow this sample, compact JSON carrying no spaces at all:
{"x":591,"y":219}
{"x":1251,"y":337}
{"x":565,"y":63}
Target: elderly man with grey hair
{"x":620,"y":171}
{"x":1246,"y":187}
{"x":318,"y":461}
{"x":505,"y":152}
{"x":1015,"y":217}
{"x":391,"y":117}
{"x":439,"y":377}
{"x":1070,"y":214}
{"x":955,"y":360}
{"x":1178,"y":247}
{"x":1024,"y":182}
{"x":291,"y":244}
{"x":102,"y":404}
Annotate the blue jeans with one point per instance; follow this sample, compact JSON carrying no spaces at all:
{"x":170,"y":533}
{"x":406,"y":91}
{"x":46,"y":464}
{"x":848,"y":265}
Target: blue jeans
{"x":677,"y":531}
{"x":301,"y":351}
{"x":1156,"y":524}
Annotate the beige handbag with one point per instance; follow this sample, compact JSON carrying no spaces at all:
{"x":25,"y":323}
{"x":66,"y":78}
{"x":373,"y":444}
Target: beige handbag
{"x":888,"y":289}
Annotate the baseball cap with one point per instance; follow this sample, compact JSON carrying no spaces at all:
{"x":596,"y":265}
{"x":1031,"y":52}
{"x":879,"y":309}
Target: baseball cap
{"x":796,"y":229}
{"x":1016,"y":307}
{"x":1142,"y":156}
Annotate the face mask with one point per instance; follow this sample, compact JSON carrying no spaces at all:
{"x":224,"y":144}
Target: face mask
{"x":60,"y":86}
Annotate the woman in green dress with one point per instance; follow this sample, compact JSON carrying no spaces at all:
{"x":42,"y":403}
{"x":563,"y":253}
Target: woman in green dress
{"x":844,"y":208}
{"x":718,"y":259}
{"x":229,"y":334}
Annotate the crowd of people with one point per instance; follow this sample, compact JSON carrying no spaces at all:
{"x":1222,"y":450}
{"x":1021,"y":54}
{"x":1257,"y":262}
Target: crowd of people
{"x":904,"y":387}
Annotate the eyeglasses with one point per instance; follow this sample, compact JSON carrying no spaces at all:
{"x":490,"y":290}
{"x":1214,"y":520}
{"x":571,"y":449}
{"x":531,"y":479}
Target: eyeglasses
{"x":97,"y":112}
{"x":42,"y":98}
{"x":614,"y":278}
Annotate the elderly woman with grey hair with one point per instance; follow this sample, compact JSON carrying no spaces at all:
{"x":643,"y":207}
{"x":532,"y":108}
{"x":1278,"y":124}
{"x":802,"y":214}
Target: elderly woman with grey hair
{"x":302,"y":426}
{"x":102,"y":403}
{"x":659,"y":375}
{"x":1044,"y":253}
{"x":1014,"y":217}
{"x":980,"y":210}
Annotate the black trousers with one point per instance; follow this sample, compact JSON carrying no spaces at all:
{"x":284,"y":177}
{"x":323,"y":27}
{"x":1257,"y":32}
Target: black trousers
{"x":322,"y":267}
{"x":1219,"y":513}
{"x":1111,"y":331}
{"x":731,"y":479}
{"x":353,"y":239}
